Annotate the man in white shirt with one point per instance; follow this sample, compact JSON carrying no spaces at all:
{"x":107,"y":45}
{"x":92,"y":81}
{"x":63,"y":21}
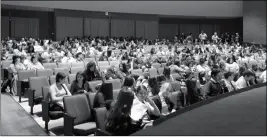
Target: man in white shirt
{"x":215,"y":38}
{"x":161,"y":52}
{"x":203,"y":37}
{"x":243,"y":81}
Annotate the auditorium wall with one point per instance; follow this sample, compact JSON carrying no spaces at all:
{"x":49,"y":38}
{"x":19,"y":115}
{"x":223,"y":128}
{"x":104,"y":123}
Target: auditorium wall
{"x":91,"y":23}
{"x":254,"y":21}
{"x":45,"y":19}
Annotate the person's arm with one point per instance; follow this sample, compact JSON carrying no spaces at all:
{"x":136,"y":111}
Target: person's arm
{"x":53,"y":95}
{"x":154,"y":110}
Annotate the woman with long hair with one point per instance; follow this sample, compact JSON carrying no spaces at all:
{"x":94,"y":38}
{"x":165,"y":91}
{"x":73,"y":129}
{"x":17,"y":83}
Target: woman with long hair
{"x":79,"y":85}
{"x":167,"y":74}
{"x":119,"y":121}
{"x":91,"y":72}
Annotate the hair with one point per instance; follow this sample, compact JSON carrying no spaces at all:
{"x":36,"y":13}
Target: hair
{"x":233,"y":59}
{"x":78,"y":54}
{"x":228,"y":74}
{"x":34,"y":56}
{"x":120,"y":113}
{"x":139,"y":88}
{"x":128,"y":81}
{"x":254,"y":67}
{"x":215,"y":72}
{"x":167,"y":72}
{"x":14,"y":58}
{"x":248,"y":73}
{"x":79,"y":73}
{"x":124,"y":68}
{"x":201,"y":61}
{"x":60,"y":76}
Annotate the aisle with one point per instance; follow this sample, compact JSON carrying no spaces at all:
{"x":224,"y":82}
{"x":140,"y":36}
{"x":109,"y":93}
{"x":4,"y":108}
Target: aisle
{"x":16,"y":121}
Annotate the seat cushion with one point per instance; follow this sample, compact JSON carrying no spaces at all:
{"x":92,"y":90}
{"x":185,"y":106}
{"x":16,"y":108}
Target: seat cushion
{"x":85,"y":128}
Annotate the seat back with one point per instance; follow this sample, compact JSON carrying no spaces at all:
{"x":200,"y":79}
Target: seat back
{"x":74,"y":70}
{"x":77,"y":64}
{"x":78,"y":106}
{"x":50,"y":65}
{"x":64,"y":70}
{"x":91,"y":98}
{"x":45,"y":93}
{"x":104,"y":68}
{"x":176,"y":76}
{"x":103,"y":63}
{"x":160,"y":71}
{"x":116,"y":83}
{"x":101,"y":115}
{"x":64,"y":65}
{"x":72,"y":77}
{"x":153,"y":72}
{"x":176,"y":86}
{"x":115,"y":63}
{"x":89,"y":59}
{"x":137,"y":72}
{"x":37,"y":83}
{"x":156,"y":65}
{"x":93,"y":84}
{"x":163,"y":65}
{"x":44,"y":72}
{"x":5,"y":63}
{"x":25,"y":74}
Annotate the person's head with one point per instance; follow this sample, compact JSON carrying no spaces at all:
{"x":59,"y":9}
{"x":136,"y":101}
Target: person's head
{"x":128,"y":82}
{"x":79,"y":56}
{"x":123,"y":67}
{"x":248,"y":75}
{"x":15,"y":59}
{"x":34,"y":59}
{"x":222,"y":65}
{"x":61,"y":78}
{"x":91,"y":66}
{"x":231,"y":59}
{"x":141,"y":93}
{"x":229,"y":76}
{"x":201,"y":61}
{"x":215,"y":33}
{"x":254,"y":67}
{"x":216,"y":74}
{"x":167,"y":71}
{"x":165,"y":89}
{"x":80,"y":77}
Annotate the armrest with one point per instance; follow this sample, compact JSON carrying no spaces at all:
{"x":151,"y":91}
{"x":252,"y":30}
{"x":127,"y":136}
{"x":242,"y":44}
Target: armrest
{"x":68,"y":125}
{"x":45,"y":111}
{"x":101,"y":133}
{"x":31,"y":93}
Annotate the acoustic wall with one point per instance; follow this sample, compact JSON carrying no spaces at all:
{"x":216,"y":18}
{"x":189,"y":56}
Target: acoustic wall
{"x":122,"y":28}
{"x":254,"y":21}
{"x":68,"y":26}
{"x":24,"y":27}
{"x":168,"y":31}
{"x":208,"y":29}
{"x":190,"y":28}
{"x":4,"y":27}
{"x":146,"y":29}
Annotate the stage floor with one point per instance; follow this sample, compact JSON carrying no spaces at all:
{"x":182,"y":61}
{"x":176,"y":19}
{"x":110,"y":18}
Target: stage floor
{"x":240,"y":114}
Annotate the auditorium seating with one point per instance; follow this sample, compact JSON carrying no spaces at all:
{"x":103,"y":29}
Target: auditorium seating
{"x":23,"y":81}
{"x":44,"y":72}
{"x":74,"y":70}
{"x":100,"y":115}
{"x":78,"y":117}
{"x":50,"y":65}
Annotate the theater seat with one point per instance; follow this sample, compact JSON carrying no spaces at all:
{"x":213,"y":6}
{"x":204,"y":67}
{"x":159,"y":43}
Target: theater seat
{"x":35,"y":91}
{"x":44,"y":72}
{"x":156,"y":65}
{"x":77,"y":64}
{"x":94,"y":84}
{"x":23,"y":81}
{"x":137,"y":72}
{"x":100,"y":117}
{"x":78,"y":118}
{"x":153,"y":72}
{"x":66,"y":71}
{"x":116,"y":83}
{"x":72,"y":77}
{"x":176,"y":76}
{"x":74,"y":70}
{"x":160,"y":71}
{"x":50,"y":65}
{"x":64,"y":65}
{"x":91,"y":99}
{"x":52,"y":80}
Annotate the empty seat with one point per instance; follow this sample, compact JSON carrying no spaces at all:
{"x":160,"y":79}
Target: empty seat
{"x":100,"y":116}
{"x":23,"y":77}
{"x":116,"y":83}
{"x":89,"y":59}
{"x":64,"y":65}
{"x":114,"y":63}
{"x":156,"y":65}
{"x":50,"y":65}
{"x":78,"y":118}
{"x":44,"y":72}
{"x":64,"y":70}
{"x":35,"y":91}
{"x":153,"y":72}
{"x":74,"y":70}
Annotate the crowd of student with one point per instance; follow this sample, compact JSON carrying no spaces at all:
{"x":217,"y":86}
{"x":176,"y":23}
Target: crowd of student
{"x":206,"y":69}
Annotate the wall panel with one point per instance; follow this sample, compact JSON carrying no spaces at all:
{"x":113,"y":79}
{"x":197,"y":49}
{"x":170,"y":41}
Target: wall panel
{"x":122,"y":28}
{"x":151,"y":29}
{"x":190,"y":28}
{"x":96,"y":27}
{"x":168,"y":31}
{"x":140,"y":29}
{"x":4,"y":27}
{"x":208,"y":29}
{"x":24,"y":27}
{"x":68,"y":26}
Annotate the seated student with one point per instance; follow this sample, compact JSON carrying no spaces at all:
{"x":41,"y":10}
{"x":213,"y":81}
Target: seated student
{"x":167,"y":74}
{"x":243,"y":81}
{"x":214,"y":86}
{"x":57,"y":92}
{"x":228,"y":79}
{"x":143,"y":106}
{"x":35,"y":64}
{"x":103,"y":96}
{"x":111,"y":73}
{"x":119,"y":121}
{"x":79,"y":85}
{"x":91,"y":72}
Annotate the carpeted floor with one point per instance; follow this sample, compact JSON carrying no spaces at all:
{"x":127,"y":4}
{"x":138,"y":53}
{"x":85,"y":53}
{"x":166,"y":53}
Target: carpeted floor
{"x":16,"y":121}
{"x":240,"y":114}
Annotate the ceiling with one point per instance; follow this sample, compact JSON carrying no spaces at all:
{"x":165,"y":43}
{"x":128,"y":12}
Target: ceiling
{"x":180,"y":8}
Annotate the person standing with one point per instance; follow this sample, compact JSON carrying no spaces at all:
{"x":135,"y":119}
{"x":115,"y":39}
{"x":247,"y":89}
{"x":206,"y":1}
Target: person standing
{"x":203,"y":37}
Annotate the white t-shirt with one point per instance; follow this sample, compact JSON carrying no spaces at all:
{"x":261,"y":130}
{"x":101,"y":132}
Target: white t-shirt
{"x":234,"y":67}
{"x":139,"y":109}
{"x":263,"y":76}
